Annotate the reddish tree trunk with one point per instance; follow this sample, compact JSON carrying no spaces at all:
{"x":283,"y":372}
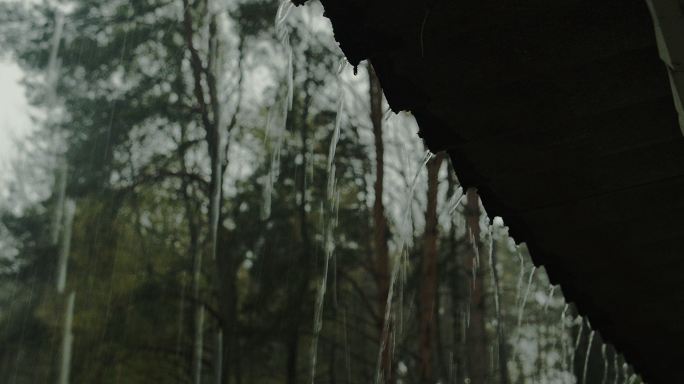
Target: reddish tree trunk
{"x":382,"y":263}
{"x":428,"y":287}
{"x":476,"y":336}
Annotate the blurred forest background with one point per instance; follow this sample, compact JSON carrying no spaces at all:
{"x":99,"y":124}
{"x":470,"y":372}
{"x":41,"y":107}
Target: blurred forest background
{"x":211,"y":195}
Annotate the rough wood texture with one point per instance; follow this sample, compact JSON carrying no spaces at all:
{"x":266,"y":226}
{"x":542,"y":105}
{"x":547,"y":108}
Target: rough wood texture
{"x":561,"y":114}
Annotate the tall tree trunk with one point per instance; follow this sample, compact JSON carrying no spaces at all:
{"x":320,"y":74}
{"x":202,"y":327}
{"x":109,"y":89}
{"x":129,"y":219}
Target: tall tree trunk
{"x":298,"y":296}
{"x":428,"y":281}
{"x":458,"y":313}
{"x":198,"y":345}
{"x":226,"y":270}
{"x":332,"y":363}
{"x":292,"y":357}
{"x":196,"y":258}
{"x":194,"y":254}
{"x":380,"y":228}
{"x":211,"y":135}
{"x":215,"y":126}
{"x":218,"y":357}
{"x":457,"y":285}
{"x":502,"y":345}
{"x":198,"y":318}
{"x":476,"y":336}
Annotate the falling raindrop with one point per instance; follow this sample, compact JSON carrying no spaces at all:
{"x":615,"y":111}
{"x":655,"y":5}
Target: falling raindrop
{"x":70,"y":209}
{"x":521,"y":277}
{"x":564,"y":342}
{"x":216,"y":192}
{"x":604,"y":379}
{"x":455,"y":201}
{"x":549,"y":298}
{"x":330,"y":221}
{"x":67,"y":341}
{"x":586,"y":357}
{"x":577,"y":343}
{"x":495,"y":279}
{"x":521,"y":310}
{"x":336,"y":132}
{"x":59,"y":206}
{"x":275,"y":130}
{"x":53,"y":60}
{"x":396,"y":265}
{"x":290,"y":76}
{"x":281,"y":14}
{"x":284,"y":35}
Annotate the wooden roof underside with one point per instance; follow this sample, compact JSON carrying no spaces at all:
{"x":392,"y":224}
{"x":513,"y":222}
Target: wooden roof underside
{"x":562,"y":115}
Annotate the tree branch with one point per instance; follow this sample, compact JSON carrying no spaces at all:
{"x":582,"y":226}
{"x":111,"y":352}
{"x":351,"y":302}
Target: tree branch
{"x":197,"y":69}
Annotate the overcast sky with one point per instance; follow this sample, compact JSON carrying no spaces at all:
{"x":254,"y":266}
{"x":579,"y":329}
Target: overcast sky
{"x":14,"y":114}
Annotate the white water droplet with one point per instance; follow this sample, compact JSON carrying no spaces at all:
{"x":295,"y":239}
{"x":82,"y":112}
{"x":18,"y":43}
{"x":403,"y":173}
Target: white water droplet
{"x":216,"y":193}
{"x":521,"y":310}
{"x":586,"y":357}
{"x":275,"y":129}
{"x":283,"y":11}
{"x":69,"y":210}
{"x":290,"y":75}
{"x":521,"y":276}
{"x":336,"y":132}
{"x":404,"y":236}
{"x":53,"y":60}
{"x":218,"y":358}
{"x":67,"y":340}
{"x":329,"y":218}
{"x":59,"y":205}
{"x":549,"y":298}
